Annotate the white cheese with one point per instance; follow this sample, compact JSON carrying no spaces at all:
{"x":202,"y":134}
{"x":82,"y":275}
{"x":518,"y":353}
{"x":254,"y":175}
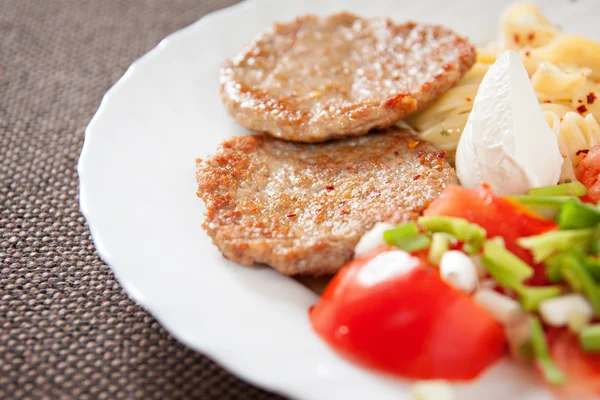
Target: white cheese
{"x":507,"y":142}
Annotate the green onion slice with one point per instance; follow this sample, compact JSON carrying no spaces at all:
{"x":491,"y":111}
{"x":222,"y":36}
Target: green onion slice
{"x":542,"y":201}
{"x":472,"y":234}
{"x":552,"y":374}
{"x":531,"y":297}
{"x":544,"y":245}
{"x":508,"y":269}
{"x":406,"y":237}
{"x":580,"y":280}
{"x":589,"y":338}
{"x":575,"y":188}
{"x":440,"y":243}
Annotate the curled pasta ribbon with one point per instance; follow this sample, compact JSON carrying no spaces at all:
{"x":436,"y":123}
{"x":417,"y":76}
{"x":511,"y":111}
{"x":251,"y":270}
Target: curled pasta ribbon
{"x":575,"y":133}
{"x":523,"y":25}
{"x":565,"y":74}
{"x":571,"y":50}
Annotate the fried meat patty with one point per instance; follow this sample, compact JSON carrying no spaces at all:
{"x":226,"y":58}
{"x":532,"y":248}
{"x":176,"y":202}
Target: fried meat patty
{"x":301,"y":208}
{"x":315,"y":78}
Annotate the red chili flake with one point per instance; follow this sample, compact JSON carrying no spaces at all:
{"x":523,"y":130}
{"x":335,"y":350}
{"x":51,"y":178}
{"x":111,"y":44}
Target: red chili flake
{"x":531,"y":36}
{"x":547,"y":101}
{"x":413,"y":144}
{"x":580,"y":101}
{"x":582,"y":109}
{"x":591,"y":98}
{"x":292,"y":215}
{"x":414,"y":178}
{"x":582,"y":151}
{"x":396,"y":153}
{"x":527,"y":53}
{"x":442,"y":154}
{"x":469,"y":99}
{"x":516,"y":38}
{"x":329,"y":188}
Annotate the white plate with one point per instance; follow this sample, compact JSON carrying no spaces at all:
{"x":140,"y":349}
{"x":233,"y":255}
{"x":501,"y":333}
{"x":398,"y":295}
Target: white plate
{"x":138,"y":195}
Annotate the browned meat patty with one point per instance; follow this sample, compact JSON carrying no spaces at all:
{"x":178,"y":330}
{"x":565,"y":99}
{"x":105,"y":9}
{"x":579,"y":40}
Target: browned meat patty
{"x":315,"y":79}
{"x":301,"y":208}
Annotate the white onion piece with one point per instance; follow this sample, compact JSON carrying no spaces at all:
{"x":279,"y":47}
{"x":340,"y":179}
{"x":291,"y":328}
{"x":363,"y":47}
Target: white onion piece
{"x":501,"y":307}
{"x":459,"y":270}
{"x":372,"y":239}
{"x":432,"y":390}
{"x":558,"y":311}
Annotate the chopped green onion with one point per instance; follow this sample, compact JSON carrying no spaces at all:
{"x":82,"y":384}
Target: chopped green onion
{"x":589,"y":339}
{"x":580,"y":280}
{"x":498,"y":240}
{"x":554,"y":265}
{"x":500,"y":274}
{"x":401,"y":231}
{"x":592,"y":264}
{"x":595,"y":246}
{"x":440,"y":243}
{"x":544,"y":245}
{"x":406,"y":237}
{"x":576,"y":322}
{"x":508,"y":269}
{"x":577,"y":215}
{"x":460,"y":228}
{"x":552,"y":374}
{"x":415,"y":243}
{"x":565,"y":189}
{"x":542,"y":201}
{"x":531,"y":297}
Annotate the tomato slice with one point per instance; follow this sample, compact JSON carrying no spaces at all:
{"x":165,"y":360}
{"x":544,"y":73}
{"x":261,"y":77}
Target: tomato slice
{"x":582,"y":369}
{"x":411,"y":324}
{"x":499,"y":216}
{"x":588,"y":173}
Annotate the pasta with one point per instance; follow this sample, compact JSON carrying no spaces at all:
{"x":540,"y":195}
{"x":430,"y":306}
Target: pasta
{"x":565,"y":74}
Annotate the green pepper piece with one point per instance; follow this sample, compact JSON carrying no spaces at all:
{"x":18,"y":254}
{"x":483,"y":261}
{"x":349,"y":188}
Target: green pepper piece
{"x":574,"y":214}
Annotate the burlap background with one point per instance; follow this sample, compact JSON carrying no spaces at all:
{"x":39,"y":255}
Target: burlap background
{"x":67,"y":330}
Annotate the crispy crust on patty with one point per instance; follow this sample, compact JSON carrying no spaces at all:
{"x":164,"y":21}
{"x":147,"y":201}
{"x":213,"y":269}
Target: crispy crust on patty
{"x":301,"y":208}
{"x":318,"y":78}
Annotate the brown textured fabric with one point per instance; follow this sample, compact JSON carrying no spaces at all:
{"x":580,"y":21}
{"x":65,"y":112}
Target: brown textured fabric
{"x":67,"y":329}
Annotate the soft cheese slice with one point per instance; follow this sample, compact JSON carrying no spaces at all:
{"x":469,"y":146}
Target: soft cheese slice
{"x":507,"y":142}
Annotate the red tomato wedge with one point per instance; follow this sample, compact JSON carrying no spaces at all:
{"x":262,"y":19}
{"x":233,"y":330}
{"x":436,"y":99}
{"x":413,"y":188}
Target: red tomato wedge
{"x":411,"y":324}
{"x":582,"y":369}
{"x":588,"y":173}
{"x":499,"y":217}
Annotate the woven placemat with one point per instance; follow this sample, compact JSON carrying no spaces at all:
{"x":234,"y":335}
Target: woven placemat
{"x":67,"y":329}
